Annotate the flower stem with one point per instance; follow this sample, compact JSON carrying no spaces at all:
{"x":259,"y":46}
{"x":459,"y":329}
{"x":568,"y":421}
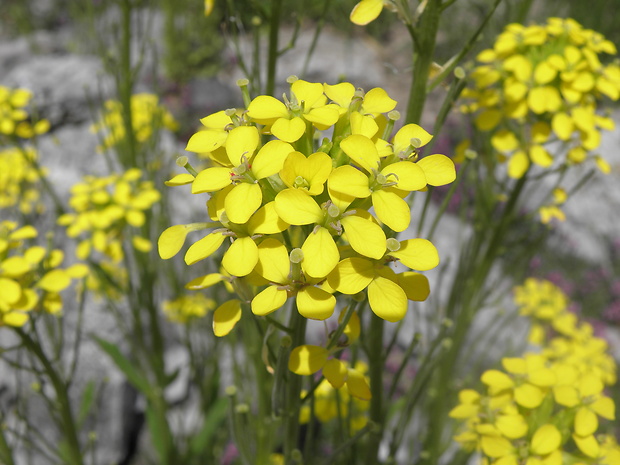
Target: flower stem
{"x":376,"y":368}
{"x":272,"y":58}
{"x":67,"y":422}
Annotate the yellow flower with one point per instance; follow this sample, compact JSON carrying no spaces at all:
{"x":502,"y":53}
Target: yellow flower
{"x":288,"y":121}
{"x":147,"y":117}
{"x":366,"y":11}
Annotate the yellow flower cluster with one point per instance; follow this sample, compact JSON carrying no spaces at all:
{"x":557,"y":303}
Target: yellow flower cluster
{"x":30,"y":277}
{"x":309,"y":359}
{"x":544,"y":408}
{"x":331,"y":403}
{"x":14,"y":115}
{"x":541,"y":85}
{"x":147,"y":116}
{"x":544,"y":303}
{"x":185,"y":308}
{"x":19,"y":180}
{"x":293,"y":206}
{"x":103,"y":207}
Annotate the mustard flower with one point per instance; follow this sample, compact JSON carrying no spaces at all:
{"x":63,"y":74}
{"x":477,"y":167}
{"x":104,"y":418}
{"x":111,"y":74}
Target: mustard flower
{"x":540,"y":84}
{"x":30,"y":277}
{"x":147,"y":116}
{"x":287,"y":121}
{"x":186,"y":308}
{"x":19,"y":180}
{"x":290,"y":210}
{"x":104,"y":207}
{"x":14,"y":116}
{"x":366,"y":11}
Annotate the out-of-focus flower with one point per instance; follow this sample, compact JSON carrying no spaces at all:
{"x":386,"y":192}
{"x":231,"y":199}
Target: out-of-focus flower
{"x":104,"y":207}
{"x":30,"y":277}
{"x":542,"y":84}
{"x":19,"y":180}
{"x":148,"y":116}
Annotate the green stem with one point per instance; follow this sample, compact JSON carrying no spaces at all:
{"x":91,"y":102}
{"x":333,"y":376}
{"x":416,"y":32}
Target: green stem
{"x":423,"y":59}
{"x":6,"y":454}
{"x":125,"y":85}
{"x":376,"y":368}
{"x":272,"y":58}
{"x":293,"y":399}
{"x":68,"y":426}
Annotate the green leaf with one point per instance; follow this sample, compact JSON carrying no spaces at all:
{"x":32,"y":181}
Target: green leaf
{"x":88,"y":396}
{"x":131,"y":371}
{"x":159,"y":438}
{"x":214,"y":418}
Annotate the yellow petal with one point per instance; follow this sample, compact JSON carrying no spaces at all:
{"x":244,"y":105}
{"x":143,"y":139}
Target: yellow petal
{"x":273,"y":261}
{"x":408,"y":134}
{"x":353,"y":328}
{"x":351,"y":275}
{"x":289,"y":130}
{"x":409,"y":176}
{"x":349,"y":180}
{"x":366,"y":238}
{"x":266,"y":221}
{"x":497,"y":380}
{"x":226,"y":317}
{"x":242,"y":201}
{"x":586,"y":422}
{"x":511,"y":426}
{"x":11,"y":291}
{"x":14,"y":319}
{"x":270,"y":158}
{"x":415,"y":285}
{"x":546,"y":439}
{"x":180,"y":180}
{"x":54,"y":281}
{"x":588,"y":445}
{"x":315,"y":303}
{"x":204,"y":247}
{"x":14,"y":266}
{"x":206,"y":141}
{"x":357,"y":385}
{"x":417,"y":254}
{"x":241,"y":257}
{"x":438,"y":169}
{"x":604,"y":407}
{"x":202,"y":282}
{"x":335,"y":372}
{"x":518,"y":164}
{"x":377,"y":100}
{"x":488,"y":119}
{"x":320,"y":253}
{"x":268,"y":301}
{"x":364,"y":125}
{"x":307,"y":359}
{"x":528,"y":395}
{"x":540,"y":156}
{"x":496,"y":446}
{"x":362,"y":151}
{"x":172,"y":239}
{"x":366,"y":11}
{"x":296,"y":207}
{"x":211,"y":180}
{"x":266,"y":109}
{"x":391,"y":210}
{"x":242,"y":142}
{"x":387,"y":299}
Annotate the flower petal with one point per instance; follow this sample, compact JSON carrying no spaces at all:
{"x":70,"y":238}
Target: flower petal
{"x":391,"y":210}
{"x":268,"y":300}
{"x":273,"y":261}
{"x":242,"y":201}
{"x":204,"y":247}
{"x":320,"y":253}
{"x":362,"y":151}
{"x":351,"y":275}
{"x":270,"y":158}
{"x":438,"y":169}
{"x":297,"y":207}
{"x":366,"y":238}
{"x":226,"y":317}
{"x":349,"y":180}
{"x":417,"y":254}
{"x":241,"y":257}
{"x":315,"y":303}
{"x":307,"y":359}
{"x":387,"y":299}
